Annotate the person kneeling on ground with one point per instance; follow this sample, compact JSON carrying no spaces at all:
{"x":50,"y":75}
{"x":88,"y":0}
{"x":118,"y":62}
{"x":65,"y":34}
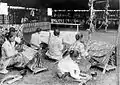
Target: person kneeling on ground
{"x":68,"y":66}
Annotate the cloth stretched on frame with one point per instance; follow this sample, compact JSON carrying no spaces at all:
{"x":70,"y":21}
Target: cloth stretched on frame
{"x":100,"y":51}
{"x":29,"y":52}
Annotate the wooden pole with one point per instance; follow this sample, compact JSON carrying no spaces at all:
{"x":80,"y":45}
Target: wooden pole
{"x":77,"y":28}
{"x":118,"y":54}
{"x":106,"y":15}
{"x":92,"y":15}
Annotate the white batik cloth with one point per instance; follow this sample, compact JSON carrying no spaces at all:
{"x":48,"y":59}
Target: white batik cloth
{"x":35,"y":39}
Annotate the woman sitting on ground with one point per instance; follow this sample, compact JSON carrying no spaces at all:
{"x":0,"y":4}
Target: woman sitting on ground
{"x":10,"y":56}
{"x":55,"y":46}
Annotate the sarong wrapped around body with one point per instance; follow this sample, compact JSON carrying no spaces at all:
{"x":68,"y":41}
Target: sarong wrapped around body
{"x":18,"y":61}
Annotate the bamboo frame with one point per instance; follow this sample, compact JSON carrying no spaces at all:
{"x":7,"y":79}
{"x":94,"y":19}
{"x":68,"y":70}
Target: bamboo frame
{"x":92,"y":15}
{"x":106,"y":15}
{"x":118,"y":53}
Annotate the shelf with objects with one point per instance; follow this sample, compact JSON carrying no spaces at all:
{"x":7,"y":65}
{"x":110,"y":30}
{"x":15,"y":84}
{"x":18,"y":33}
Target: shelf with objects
{"x":113,"y":20}
{"x":104,"y":18}
{"x":70,"y":18}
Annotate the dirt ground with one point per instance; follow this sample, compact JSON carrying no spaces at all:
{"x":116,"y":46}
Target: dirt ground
{"x":49,"y":77}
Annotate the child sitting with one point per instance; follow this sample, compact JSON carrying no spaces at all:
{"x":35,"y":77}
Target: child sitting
{"x":69,"y":66}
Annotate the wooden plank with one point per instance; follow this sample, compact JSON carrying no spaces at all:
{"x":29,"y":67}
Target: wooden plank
{"x":118,"y":54}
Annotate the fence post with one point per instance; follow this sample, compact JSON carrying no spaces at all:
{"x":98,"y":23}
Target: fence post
{"x":77,"y":28}
{"x":118,"y":54}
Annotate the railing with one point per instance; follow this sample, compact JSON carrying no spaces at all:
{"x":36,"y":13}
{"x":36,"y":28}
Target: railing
{"x":69,"y":24}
